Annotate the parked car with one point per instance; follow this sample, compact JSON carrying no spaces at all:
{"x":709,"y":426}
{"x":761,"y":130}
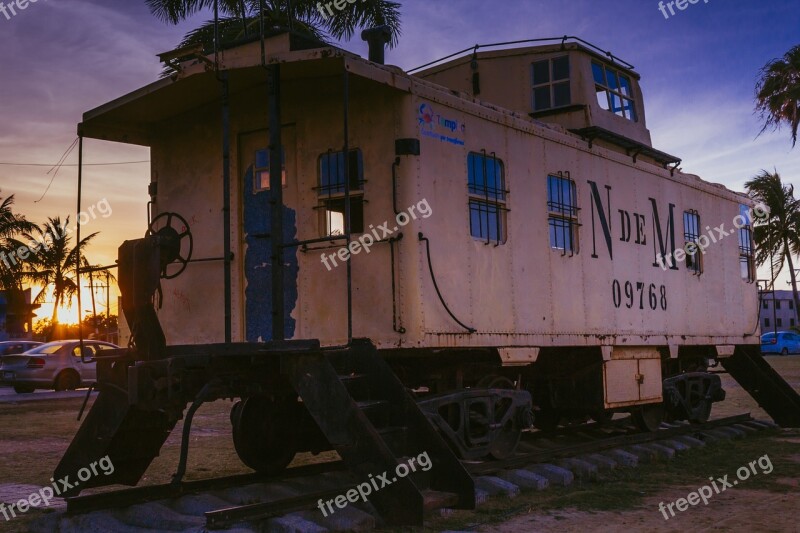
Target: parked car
{"x":55,"y":365}
{"x":782,"y":342}
{"x":13,"y":347}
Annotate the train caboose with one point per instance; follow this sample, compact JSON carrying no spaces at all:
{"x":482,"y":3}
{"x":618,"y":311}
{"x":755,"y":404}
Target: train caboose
{"x":487,"y":243}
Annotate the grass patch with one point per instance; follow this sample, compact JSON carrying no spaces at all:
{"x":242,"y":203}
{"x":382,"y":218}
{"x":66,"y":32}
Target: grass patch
{"x":628,"y":488}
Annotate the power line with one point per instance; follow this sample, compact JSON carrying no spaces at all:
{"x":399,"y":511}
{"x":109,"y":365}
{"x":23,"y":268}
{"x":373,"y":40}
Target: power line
{"x":85,"y":164}
{"x":57,"y":167}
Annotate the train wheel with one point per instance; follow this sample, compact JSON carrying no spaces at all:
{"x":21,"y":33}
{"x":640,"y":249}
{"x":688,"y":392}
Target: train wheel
{"x":648,"y":417}
{"x":262,"y":433}
{"x":701,"y":408}
{"x":505,"y":443}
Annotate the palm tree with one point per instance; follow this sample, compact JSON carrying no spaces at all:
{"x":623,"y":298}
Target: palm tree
{"x":241,"y":18}
{"x":12,"y":271}
{"x":777,"y":237}
{"x":56,"y":263}
{"x":778,"y":93}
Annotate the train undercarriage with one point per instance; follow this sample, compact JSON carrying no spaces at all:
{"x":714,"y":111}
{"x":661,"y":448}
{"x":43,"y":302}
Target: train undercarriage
{"x":374,"y":408}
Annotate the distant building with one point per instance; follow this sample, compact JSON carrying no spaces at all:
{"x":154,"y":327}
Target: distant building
{"x":777,"y":313}
{"x":16,"y":320}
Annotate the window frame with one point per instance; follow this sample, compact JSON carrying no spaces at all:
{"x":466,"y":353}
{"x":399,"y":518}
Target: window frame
{"x":747,"y":253}
{"x":610,"y":91}
{"x":551,"y":83}
{"x":334,"y":192}
{"x":487,"y":201}
{"x":691,"y":235}
{"x":258,"y":171}
{"x":561,"y":215}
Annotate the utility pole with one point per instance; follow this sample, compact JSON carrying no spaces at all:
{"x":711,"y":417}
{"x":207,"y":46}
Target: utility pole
{"x":94,"y":307}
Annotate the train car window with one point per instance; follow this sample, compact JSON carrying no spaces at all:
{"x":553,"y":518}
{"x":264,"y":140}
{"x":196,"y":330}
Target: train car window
{"x":331,"y":192}
{"x":261,"y":170}
{"x":614,"y":91}
{"x":551,"y":86}
{"x":562,"y":208}
{"x":691,"y":234}
{"x":486,"y":184}
{"x":747,"y":264}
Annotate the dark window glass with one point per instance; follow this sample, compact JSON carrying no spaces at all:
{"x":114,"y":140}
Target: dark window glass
{"x":611,"y":78}
{"x":765,"y":304}
{"x":777,"y":304}
{"x":561,"y":95}
{"x":541,"y":72}
{"x":549,"y":86}
{"x":486,"y":176}
{"x":625,"y":86}
{"x":541,"y":98}
{"x":561,"y":68}
{"x":486,"y":187}
{"x":334,"y":209}
{"x":562,"y":207}
{"x":691,"y":234}
{"x":331,"y":191}
{"x":766,"y":322}
{"x":779,"y":322}
{"x":331,"y":172}
{"x":599,"y":76}
{"x":261,"y":170}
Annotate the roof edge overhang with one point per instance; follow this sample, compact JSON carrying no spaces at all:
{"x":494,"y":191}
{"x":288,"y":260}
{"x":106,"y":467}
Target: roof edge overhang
{"x":129,"y":119}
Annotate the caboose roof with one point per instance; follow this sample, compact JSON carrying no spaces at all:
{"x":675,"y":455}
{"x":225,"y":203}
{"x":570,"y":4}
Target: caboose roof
{"x":128,"y":119}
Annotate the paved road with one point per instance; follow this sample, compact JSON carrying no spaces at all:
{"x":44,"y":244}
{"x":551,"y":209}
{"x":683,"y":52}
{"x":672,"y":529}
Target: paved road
{"x":7,"y":395}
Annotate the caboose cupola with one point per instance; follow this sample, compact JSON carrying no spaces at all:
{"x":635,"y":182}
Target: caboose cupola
{"x":576,"y":85}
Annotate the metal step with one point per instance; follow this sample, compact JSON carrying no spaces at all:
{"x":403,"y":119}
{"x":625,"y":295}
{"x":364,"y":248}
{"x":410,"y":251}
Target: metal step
{"x":371,"y":433}
{"x":130,"y":437}
{"x":748,"y":367}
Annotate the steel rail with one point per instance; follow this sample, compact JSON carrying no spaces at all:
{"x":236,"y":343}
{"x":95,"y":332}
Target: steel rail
{"x":258,"y":511}
{"x":145,"y":494}
{"x":601,"y":445}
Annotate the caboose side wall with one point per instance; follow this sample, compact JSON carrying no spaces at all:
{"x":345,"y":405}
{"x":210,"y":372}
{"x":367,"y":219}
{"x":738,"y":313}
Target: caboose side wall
{"x":518,"y":294}
{"x":523,"y":293}
{"x":186,"y":165}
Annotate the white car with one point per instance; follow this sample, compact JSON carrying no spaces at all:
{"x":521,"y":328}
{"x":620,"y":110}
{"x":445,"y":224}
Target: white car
{"x":55,"y":365}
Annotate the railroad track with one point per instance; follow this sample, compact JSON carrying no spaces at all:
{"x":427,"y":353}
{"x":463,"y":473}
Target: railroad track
{"x":253,"y":502}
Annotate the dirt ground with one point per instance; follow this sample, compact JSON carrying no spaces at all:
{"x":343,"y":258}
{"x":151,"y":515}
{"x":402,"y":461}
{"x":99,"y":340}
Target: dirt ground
{"x":36,"y":433}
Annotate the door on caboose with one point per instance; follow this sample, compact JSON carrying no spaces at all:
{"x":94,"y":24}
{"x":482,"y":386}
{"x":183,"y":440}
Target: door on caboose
{"x":256,"y":226}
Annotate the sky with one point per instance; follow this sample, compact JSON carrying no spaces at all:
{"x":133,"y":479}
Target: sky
{"x":60,"y":58}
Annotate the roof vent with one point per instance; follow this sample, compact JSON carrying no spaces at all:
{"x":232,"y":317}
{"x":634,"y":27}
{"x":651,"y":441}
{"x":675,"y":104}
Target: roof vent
{"x":377,"y":38}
